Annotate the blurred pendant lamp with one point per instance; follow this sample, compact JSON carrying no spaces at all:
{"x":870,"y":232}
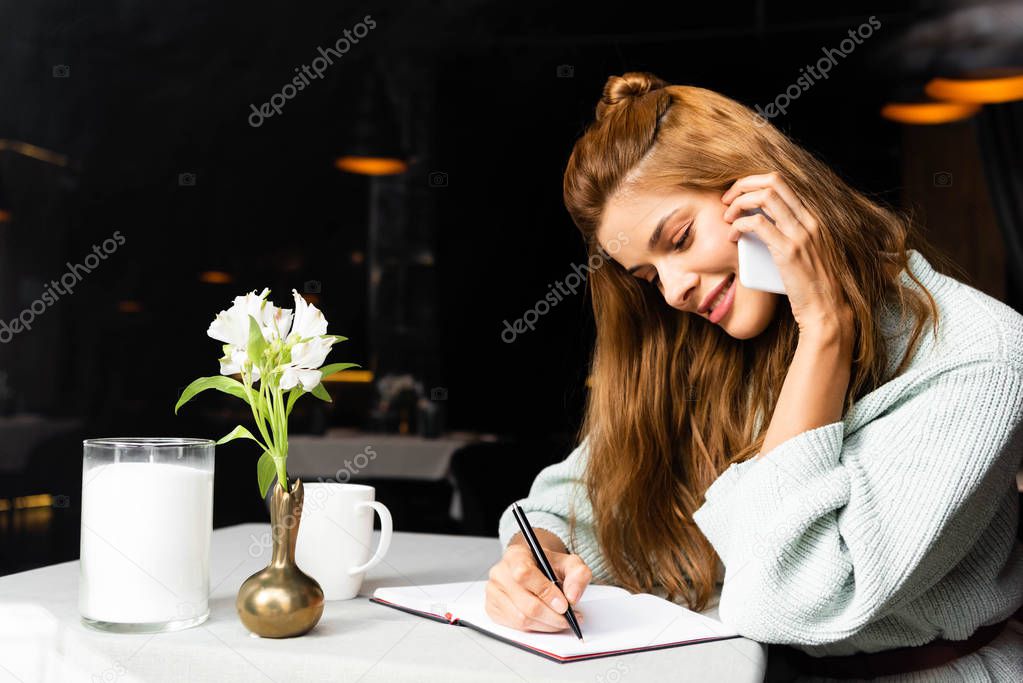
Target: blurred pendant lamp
{"x":909,"y":103}
{"x":968,"y":56}
{"x":983,"y":86}
{"x":928,"y":112}
{"x":374,"y":144}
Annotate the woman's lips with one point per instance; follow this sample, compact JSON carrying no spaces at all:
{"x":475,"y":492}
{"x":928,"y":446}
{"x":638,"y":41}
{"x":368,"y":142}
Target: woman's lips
{"x":721,"y":310}
{"x":709,"y":299}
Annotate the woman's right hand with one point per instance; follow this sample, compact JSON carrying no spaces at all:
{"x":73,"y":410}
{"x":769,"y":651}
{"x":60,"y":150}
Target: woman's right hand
{"x":518,"y":594}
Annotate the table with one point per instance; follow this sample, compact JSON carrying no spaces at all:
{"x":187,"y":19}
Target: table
{"x":20,"y":434}
{"x":42,"y":639}
{"x":348,"y":453}
{"x":351,"y":455}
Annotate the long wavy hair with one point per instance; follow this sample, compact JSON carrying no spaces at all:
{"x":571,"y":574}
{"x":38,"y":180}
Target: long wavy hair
{"x":674,"y":400}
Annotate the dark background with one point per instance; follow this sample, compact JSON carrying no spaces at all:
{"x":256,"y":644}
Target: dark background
{"x":147,"y":105}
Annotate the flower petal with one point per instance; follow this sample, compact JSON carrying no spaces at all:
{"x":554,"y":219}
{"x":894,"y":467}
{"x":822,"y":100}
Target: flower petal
{"x":280,"y":323}
{"x":227,"y":367}
{"x":311,"y":354}
{"x":289,"y":378}
{"x":230,"y":326}
{"x":308,"y":322}
{"x":234,"y":360}
{"x":309,"y":378}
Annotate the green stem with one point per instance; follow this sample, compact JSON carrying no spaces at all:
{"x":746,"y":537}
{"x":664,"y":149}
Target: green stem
{"x":283,"y":417}
{"x":272,"y":398}
{"x":256,"y":412}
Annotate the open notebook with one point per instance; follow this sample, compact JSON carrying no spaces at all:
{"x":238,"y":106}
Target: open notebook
{"x":615,"y":621}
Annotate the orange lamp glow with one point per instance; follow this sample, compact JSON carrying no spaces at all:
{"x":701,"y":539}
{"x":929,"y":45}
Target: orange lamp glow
{"x":39,"y":500}
{"x":129,"y":306}
{"x":215,"y":277}
{"x":1001,"y":88}
{"x":928,"y":112}
{"x":371,"y":165}
{"x":5,"y":215}
{"x":355,"y":376}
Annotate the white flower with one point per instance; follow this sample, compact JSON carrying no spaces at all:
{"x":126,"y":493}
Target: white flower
{"x":302,"y":331}
{"x":308,"y":321}
{"x":280,"y":323}
{"x":232,"y":326}
{"x":306,"y":357}
{"x":233,"y":360}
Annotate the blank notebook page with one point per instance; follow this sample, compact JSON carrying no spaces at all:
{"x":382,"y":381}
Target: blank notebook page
{"x":614,"y":619}
{"x":456,"y":597}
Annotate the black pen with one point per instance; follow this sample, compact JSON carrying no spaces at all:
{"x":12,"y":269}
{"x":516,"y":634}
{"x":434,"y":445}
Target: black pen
{"x":544,"y":563}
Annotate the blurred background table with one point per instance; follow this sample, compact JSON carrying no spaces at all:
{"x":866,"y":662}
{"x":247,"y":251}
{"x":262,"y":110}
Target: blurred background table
{"x":405,"y":456}
{"x":21,"y":434}
{"x":390,"y":462}
{"x":42,"y":638}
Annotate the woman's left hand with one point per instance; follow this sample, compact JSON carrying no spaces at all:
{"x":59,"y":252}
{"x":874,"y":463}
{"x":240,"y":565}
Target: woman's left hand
{"x":818,"y":304}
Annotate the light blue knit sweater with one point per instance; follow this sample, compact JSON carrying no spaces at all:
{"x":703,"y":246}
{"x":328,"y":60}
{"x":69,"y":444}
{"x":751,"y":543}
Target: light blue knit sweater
{"x":893,"y":527}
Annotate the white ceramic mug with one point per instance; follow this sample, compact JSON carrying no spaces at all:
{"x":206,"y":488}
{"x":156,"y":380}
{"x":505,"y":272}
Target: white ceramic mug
{"x":334,"y":537}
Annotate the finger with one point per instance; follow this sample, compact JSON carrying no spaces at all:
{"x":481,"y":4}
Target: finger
{"x":575,"y":575}
{"x":773,"y":180}
{"x":777,"y":242}
{"x":534,"y":609}
{"x":501,"y":609}
{"x":533,"y":580}
{"x":513,"y":579}
{"x":768,"y":199}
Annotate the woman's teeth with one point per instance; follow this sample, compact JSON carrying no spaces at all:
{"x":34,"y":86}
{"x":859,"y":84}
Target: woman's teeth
{"x":720,"y":297}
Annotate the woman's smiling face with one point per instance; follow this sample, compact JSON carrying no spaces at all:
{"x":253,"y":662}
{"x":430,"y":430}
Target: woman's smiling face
{"x":678,"y":241}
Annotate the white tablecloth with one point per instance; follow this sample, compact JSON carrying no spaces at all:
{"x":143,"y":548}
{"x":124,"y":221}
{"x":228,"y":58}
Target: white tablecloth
{"x":42,"y":638}
{"x":347,"y":454}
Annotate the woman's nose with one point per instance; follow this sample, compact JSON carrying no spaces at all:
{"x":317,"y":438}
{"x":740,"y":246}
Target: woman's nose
{"x":677,"y":289}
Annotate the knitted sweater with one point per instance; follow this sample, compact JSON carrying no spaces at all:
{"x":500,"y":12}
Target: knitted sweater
{"x":892,"y":527}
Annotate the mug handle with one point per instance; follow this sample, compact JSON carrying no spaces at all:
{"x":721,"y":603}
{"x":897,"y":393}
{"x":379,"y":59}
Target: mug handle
{"x":385,"y":535}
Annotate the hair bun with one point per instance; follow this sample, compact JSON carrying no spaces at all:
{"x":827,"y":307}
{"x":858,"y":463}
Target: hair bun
{"x":627,"y":87}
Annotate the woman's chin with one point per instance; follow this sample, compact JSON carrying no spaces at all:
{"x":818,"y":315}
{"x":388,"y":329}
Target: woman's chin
{"x":741,"y":331}
{"x":755,"y":321}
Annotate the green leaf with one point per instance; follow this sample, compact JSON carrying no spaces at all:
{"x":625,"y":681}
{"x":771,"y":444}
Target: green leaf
{"x":238,"y":433}
{"x":329,"y":370}
{"x":293,"y":396}
{"x":228,"y":385}
{"x":320,"y":392}
{"x":257,"y":345}
{"x":266,"y":469}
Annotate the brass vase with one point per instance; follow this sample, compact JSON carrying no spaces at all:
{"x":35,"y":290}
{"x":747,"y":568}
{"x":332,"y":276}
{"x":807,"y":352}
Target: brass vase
{"x":281,"y":601}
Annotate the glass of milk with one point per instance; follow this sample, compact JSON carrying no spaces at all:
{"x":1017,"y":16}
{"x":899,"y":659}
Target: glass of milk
{"x":147,"y":518}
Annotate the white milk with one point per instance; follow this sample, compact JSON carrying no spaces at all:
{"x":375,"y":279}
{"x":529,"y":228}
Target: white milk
{"x":145,"y":542}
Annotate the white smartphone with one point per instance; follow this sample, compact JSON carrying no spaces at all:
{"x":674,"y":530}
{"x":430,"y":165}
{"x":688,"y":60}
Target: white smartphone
{"x":757,"y":269}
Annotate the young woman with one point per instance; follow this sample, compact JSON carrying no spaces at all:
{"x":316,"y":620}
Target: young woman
{"x":874,"y":510}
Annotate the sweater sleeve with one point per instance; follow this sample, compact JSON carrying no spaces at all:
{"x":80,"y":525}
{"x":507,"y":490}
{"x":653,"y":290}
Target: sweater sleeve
{"x":557,"y":491}
{"x":827,"y":532}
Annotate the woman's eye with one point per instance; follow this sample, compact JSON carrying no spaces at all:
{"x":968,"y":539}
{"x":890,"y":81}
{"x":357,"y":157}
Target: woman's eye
{"x":682,"y":240}
{"x":677,"y":246}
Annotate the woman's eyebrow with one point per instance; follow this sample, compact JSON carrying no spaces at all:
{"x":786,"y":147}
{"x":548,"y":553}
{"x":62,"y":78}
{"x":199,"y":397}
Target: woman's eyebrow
{"x":655,"y":236}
